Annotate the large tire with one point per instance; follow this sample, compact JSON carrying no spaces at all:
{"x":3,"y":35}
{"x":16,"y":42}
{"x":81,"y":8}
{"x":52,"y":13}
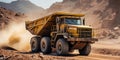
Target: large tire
{"x":35,"y":44}
{"x":45,"y":45}
{"x":62,"y":47}
{"x":86,"y":50}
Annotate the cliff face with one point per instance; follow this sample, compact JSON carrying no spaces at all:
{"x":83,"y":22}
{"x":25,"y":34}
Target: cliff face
{"x":99,"y":13}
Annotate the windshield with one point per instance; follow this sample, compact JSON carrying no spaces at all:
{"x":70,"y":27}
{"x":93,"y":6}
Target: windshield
{"x":73,"y":21}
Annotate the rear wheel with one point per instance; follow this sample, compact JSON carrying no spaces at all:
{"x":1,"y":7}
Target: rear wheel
{"x":86,"y":50}
{"x":62,"y":47}
{"x":35,"y":42}
{"x":45,"y":45}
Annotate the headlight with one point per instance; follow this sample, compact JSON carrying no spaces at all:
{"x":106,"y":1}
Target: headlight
{"x":94,"y":34}
{"x":72,"y":28}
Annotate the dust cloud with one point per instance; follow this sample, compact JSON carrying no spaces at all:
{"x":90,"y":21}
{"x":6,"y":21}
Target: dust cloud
{"x":16,"y":36}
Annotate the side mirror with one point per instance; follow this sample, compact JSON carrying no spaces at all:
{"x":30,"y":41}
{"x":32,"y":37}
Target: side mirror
{"x":84,"y":21}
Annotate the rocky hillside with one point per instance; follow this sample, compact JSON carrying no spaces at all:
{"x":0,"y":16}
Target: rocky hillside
{"x":7,"y":16}
{"x":99,"y":13}
{"x":23,"y":6}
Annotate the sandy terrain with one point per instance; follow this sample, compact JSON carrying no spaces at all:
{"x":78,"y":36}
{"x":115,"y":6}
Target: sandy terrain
{"x":10,"y":55}
{"x":102,"y":50}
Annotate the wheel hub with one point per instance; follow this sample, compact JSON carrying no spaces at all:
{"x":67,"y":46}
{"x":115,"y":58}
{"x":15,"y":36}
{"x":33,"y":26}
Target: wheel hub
{"x":33,"y":45}
{"x":59,"y":47}
{"x":43,"y":45}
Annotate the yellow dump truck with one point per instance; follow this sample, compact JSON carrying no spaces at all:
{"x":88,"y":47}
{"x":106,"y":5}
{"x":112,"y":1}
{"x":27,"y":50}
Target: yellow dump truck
{"x":65,"y":32}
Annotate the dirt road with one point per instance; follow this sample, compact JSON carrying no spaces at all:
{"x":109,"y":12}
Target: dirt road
{"x":92,"y":56}
{"x":16,"y":55}
{"x":102,"y":50}
{"x":98,"y":57}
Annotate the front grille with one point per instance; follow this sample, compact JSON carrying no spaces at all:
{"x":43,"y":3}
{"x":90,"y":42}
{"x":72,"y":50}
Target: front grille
{"x":85,"y":32}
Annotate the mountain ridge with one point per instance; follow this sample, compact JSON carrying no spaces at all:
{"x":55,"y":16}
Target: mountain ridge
{"x":23,"y":6}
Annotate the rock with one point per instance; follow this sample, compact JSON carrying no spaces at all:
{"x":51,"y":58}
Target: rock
{"x":1,"y":56}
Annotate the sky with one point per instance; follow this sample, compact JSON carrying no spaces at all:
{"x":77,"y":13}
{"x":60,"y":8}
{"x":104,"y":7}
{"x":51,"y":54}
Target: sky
{"x":42,"y":3}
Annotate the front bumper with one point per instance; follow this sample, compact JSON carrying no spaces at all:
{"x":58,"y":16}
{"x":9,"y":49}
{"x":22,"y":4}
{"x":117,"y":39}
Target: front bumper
{"x":91,"y":40}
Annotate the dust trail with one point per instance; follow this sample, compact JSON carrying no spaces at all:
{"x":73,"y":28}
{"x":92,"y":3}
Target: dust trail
{"x":16,"y":36}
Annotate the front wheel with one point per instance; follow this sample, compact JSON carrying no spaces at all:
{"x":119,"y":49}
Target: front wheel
{"x":62,"y":47}
{"x":86,"y":50}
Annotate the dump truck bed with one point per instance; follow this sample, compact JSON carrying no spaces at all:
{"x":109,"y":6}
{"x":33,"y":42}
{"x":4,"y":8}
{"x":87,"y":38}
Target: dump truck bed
{"x":42,"y":26}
